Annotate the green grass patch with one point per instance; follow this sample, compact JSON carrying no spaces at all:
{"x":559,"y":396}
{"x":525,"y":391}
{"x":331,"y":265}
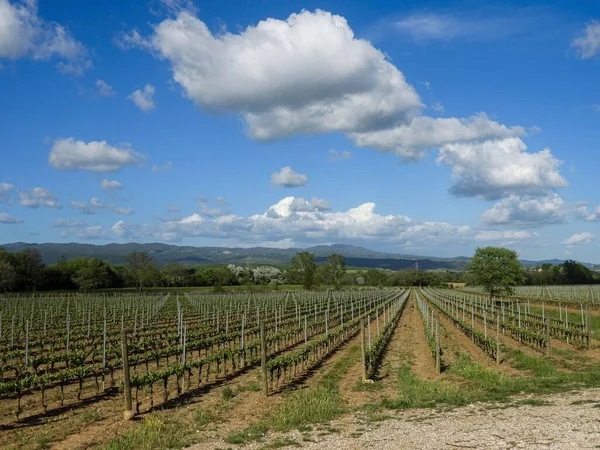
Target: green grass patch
{"x":151,"y":434}
{"x":252,"y":433}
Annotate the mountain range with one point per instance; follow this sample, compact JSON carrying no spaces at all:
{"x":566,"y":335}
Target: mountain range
{"x":355,"y":256}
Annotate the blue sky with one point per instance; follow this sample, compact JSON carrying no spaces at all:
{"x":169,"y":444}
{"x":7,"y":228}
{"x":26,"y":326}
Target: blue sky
{"x":421,"y":127}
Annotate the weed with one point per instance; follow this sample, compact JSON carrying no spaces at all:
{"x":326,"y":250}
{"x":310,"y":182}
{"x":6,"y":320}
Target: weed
{"x":228,"y":394}
{"x":151,"y":434}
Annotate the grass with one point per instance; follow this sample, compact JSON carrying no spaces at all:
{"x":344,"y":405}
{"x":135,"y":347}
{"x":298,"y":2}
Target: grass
{"x":152,"y":434}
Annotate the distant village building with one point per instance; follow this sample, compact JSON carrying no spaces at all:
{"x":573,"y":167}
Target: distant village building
{"x":455,"y":285}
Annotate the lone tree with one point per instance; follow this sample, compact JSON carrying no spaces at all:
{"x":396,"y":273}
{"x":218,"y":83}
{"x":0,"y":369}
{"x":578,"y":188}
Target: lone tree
{"x":335,"y":269}
{"x":497,"y":270}
{"x":142,"y":268}
{"x":304,"y":266}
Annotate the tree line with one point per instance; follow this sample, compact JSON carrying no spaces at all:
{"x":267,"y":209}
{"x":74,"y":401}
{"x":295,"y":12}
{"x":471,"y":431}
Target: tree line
{"x":25,"y":271}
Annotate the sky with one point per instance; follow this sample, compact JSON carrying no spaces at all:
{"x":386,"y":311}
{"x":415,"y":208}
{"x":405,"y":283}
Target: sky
{"x":416,"y":127}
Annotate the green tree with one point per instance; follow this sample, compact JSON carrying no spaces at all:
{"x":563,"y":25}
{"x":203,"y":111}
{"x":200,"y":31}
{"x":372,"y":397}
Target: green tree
{"x":335,"y":269}
{"x":304,"y":267}
{"x":496,"y":269}
{"x":93,"y":274}
{"x":8,"y":276}
{"x":142,"y":269}
{"x":175,"y":274}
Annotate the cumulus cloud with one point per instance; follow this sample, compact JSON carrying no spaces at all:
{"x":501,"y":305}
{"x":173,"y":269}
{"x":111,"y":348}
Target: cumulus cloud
{"x":423,"y":133}
{"x":438,"y":107}
{"x":36,"y":197}
{"x":111,"y":184}
{"x":307,"y":74}
{"x":6,"y":190}
{"x":335,"y":155}
{"x":302,"y":221}
{"x":9,"y":220}
{"x":580,"y":239}
{"x":286,"y":177}
{"x":587,"y":44}
{"x":583,"y":211}
{"x":94,"y":156}
{"x":63,"y":222}
{"x":143,"y":98}
{"x":24,"y":34}
{"x":104,"y":89}
{"x":526,"y":211}
{"x":499,"y":168}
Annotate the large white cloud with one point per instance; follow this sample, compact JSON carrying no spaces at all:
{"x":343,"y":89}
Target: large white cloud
{"x":499,"y":168}
{"x":306,"y":74}
{"x":95,"y":156}
{"x":526,"y":211}
{"x":36,"y":197}
{"x":422,"y":133}
{"x":24,"y":34}
{"x":309,"y":74}
{"x":587,"y":44}
{"x":287,"y":177}
{"x":580,"y":239}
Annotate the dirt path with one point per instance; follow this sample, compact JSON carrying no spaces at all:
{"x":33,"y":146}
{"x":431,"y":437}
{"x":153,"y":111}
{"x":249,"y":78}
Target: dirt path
{"x":559,"y":422}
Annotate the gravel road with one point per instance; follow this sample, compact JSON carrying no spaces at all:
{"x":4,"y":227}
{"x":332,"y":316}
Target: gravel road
{"x":563,"y":421}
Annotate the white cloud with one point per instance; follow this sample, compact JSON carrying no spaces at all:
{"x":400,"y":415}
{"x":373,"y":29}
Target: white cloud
{"x":587,"y":45}
{"x":335,"y":155}
{"x":86,"y":233}
{"x":222,"y":201}
{"x":506,"y":236}
{"x":212,"y":212}
{"x":143,"y":98}
{"x":95,"y":156}
{"x":96,"y":205}
{"x":24,"y":34}
{"x":305,"y":75}
{"x":63,"y":222}
{"x":104,"y":89}
{"x":6,"y":190}
{"x":580,"y":239}
{"x":302,"y":221}
{"x":37,"y":197}
{"x":423,"y":133}
{"x":583,"y":211}
{"x":526,"y":211}
{"x":110,"y":184}
{"x":125,"y":211}
{"x":434,"y":26}
{"x":9,"y":220}
{"x":496,"y":169}
{"x":164,"y":167}
{"x":286,"y":177}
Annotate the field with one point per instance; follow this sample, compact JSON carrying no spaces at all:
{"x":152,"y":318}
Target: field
{"x":228,"y":369}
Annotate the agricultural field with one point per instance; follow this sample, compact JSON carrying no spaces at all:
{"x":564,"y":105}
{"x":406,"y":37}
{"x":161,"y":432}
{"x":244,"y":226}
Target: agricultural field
{"x":220,"y":370}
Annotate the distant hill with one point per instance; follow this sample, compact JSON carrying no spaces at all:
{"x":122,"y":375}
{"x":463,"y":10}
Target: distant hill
{"x":355,"y":256}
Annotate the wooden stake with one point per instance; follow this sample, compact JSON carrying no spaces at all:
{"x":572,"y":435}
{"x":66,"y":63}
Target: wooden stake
{"x":128,"y":414}
{"x":263,"y":359}
{"x":438,"y":366}
{"x":363,"y":349}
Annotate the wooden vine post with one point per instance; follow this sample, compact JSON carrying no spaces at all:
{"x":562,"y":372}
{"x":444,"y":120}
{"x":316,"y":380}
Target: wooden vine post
{"x":128,"y":414}
{"x":498,"y":339}
{"x":263,"y":359}
{"x":438,"y":365}
{"x":547,"y":336}
{"x":588,"y":328}
{"x":363,"y":349}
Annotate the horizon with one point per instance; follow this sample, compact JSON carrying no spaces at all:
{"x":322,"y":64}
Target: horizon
{"x":422,"y":257}
{"x":406,"y":129}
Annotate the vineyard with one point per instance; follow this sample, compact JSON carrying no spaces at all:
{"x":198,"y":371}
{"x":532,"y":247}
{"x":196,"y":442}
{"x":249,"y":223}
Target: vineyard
{"x":148,"y":352}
